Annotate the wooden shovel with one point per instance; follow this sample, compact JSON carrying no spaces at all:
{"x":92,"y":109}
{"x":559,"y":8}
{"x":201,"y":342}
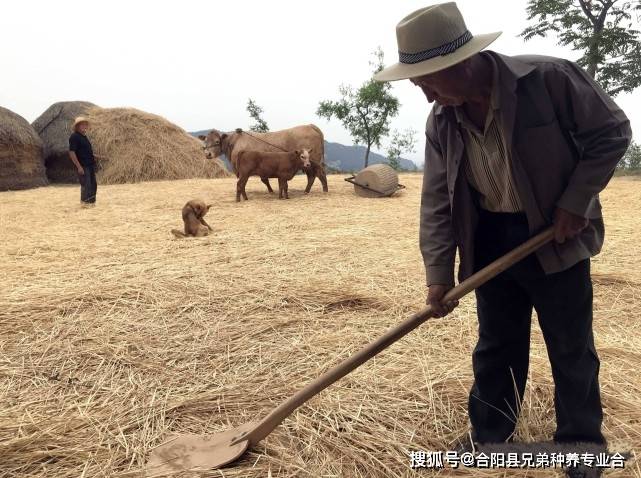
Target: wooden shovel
{"x":198,"y":453}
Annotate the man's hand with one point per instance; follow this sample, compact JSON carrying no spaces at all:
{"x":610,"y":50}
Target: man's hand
{"x":567,"y":225}
{"x":435,"y":295}
{"x":76,"y":163}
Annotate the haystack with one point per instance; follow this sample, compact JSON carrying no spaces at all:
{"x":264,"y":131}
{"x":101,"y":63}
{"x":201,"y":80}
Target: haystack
{"x":54,"y":128}
{"x":21,"y":163}
{"x":132,"y":146}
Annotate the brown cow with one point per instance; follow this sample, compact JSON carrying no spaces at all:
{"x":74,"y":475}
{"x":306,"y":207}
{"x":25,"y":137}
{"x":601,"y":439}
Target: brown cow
{"x":270,"y":165}
{"x":193,"y":213}
{"x":298,"y":137}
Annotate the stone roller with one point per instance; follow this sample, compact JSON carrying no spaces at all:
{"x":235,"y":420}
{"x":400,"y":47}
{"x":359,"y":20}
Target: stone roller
{"x":377,"y":180}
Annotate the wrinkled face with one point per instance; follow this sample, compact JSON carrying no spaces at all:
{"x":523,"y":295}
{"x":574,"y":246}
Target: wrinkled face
{"x":449,"y":87}
{"x":212,"y":144}
{"x":305,"y":158}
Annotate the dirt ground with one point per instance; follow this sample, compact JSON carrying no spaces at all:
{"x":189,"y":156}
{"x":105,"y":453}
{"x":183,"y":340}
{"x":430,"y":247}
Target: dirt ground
{"x":113,"y":334}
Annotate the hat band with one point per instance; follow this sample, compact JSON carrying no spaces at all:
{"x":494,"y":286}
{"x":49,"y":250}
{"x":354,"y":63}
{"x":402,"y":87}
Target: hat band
{"x":445,"y":49}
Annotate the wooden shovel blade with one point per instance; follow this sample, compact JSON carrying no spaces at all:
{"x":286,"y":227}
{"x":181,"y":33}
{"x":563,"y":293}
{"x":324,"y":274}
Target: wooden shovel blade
{"x":196,"y":452}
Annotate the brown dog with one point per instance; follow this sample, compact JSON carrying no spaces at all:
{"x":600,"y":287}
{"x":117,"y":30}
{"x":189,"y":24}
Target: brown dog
{"x":195,"y":225}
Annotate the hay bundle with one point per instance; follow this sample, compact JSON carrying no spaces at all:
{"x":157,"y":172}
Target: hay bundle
{"x":21,"y":164}
{"x":54,"y":128}
{"x":132,"y":146}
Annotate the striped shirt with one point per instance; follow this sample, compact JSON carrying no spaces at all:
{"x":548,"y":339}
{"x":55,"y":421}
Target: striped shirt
{"x":487,"y":164}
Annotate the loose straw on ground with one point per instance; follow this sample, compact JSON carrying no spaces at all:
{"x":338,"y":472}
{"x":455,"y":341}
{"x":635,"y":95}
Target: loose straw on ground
{"x":114,"y":334}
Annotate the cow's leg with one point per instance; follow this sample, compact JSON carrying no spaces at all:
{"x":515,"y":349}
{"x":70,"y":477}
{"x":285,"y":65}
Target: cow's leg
{"x":245,"y":192}
{"x":323,"y":179}
{"x":282,"y":185}
{"x":266,"y":182}
{"x":286,"y":188}
{"x":240,"y":188}
{"x":310,"y":180}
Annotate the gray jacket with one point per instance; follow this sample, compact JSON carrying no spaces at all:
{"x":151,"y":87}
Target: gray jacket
{"x":565,"y":136}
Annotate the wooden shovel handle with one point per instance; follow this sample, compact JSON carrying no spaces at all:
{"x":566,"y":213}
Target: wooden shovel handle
{"x":276,"y":416}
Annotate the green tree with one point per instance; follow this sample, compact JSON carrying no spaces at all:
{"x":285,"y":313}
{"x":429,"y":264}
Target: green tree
{"x":365,"y":112}
{"x":255,"y":112}
{"x":604,"y":31}
{"x":401,"y":142}
{"x":632,"y":158}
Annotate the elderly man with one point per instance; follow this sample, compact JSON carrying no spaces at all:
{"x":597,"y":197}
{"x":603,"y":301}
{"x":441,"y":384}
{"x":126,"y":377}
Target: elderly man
{"x":514,"y":144}
{"x":81,"y":154}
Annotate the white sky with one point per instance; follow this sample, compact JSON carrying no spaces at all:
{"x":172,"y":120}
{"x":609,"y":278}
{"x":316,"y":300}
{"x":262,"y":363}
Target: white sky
{"x":196,"y":62}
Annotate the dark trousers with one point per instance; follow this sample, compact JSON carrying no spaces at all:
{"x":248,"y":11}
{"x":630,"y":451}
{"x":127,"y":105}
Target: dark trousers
{"x":563,"y":302}
{"x":88,"y":184}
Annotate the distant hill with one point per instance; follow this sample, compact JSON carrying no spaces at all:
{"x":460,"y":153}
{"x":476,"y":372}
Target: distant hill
{"x":351,"y":158}
{"x":344,"y":158}
{"x":198,"y":133}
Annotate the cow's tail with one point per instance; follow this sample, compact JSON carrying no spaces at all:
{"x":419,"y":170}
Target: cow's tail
{"x":322,"y":154}
{"x":322,"y":145}
{"x":236,"y":166}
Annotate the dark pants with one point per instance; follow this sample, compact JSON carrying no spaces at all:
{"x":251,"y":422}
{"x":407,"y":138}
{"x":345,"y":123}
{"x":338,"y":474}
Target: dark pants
{"x":88,"y":185}
{"x":563,"y":302}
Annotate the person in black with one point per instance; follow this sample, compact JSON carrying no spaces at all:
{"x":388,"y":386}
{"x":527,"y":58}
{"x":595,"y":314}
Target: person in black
{"x":81,"y":154}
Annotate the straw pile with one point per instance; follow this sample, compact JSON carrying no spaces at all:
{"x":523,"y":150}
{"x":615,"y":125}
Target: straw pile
{"x":133,"y":146}
{"x":54,"y":127}
{"x":108,"y":348}
{"x":130,"y":145}
{"x":21,"y":164}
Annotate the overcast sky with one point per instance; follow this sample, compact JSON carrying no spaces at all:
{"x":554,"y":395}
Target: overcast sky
{"x":197,"y":62}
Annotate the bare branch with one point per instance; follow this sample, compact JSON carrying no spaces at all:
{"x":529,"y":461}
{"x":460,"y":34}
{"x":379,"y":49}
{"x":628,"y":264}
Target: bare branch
{"x":604,"y":13}
{"x":585,"y":7}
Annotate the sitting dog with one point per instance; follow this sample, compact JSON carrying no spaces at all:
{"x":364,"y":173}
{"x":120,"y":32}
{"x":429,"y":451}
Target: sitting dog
{"x":195,"y":225}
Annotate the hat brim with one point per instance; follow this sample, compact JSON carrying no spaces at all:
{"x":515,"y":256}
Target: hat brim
{"x":79,"y":121}
{"x":403,"y":71}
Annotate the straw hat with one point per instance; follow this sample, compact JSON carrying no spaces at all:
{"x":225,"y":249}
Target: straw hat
{"x":432,"y":39}
{"x":78,"y":120}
